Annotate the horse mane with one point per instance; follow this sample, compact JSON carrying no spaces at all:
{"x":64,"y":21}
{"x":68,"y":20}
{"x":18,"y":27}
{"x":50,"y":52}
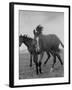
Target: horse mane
{"x":39,"y":29}
{"x":27,"y":37}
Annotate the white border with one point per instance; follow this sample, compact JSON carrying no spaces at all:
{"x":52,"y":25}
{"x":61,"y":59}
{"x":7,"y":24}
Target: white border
{"x":16,"y":46}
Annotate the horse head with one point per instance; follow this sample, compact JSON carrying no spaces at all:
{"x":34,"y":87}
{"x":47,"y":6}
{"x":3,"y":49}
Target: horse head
{"x":39,"y":29}
{"x":20,"y":40}
{"x":36,"y":37}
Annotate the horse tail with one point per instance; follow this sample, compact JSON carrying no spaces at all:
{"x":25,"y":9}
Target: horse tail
{"x":62,"y":44}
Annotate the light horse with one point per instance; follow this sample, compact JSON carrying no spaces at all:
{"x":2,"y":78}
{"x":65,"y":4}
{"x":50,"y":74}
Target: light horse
{"x":47,"y":43}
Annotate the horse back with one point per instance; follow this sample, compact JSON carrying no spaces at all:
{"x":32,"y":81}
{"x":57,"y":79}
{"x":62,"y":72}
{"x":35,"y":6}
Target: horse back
{"x":48,"y":41}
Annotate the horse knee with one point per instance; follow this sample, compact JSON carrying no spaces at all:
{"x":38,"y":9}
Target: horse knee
{"x":47,"y":58}
{"x":35,"y":59}
{"x":55,"y":60}
{"x":48,"y":55}
{"x":39,"y":64}
{"x":60,"y":59}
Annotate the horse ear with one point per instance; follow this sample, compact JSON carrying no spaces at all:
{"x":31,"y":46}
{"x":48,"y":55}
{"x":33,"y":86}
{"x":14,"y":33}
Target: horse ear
{"x":34,"y":31}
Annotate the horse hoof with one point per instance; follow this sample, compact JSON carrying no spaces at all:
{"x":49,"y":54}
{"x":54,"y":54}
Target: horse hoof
{"x":51,"y":70}
{"x":41,"y":72}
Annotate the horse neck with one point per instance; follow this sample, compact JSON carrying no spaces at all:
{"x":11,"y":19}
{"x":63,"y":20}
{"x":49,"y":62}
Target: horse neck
{"x":27,"y":43}
{"x":40,"y":36}
{"x":40,"y":42}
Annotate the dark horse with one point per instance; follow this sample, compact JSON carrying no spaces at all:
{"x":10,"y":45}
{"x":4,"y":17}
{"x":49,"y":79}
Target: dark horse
{"x":31,"y":46}
{"x":30,"y":43}
{"x":49,"y":44}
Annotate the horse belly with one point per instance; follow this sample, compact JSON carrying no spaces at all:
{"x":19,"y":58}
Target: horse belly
{"x":45,"y":45}
{"x":48,"y":42}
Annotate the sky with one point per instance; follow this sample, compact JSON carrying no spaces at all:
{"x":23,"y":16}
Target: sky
{"x":53,"y":23}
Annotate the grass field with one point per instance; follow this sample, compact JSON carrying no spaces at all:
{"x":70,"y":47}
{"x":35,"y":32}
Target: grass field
{"x":27,"y":72}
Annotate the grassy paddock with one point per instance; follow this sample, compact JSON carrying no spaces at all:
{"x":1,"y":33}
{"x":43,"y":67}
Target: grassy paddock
{"x":27,"y":72}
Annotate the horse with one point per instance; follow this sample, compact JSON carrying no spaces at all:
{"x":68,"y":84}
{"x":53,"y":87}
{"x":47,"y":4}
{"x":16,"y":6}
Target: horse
{"x":47,"y":43}
{"x":31,"y":46}
{"x":30,"y":43}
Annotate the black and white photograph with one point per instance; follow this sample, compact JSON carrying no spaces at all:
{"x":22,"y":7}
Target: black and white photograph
{"x":41,"y":44}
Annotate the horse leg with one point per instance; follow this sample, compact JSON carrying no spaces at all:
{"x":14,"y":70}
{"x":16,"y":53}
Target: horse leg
{"x":41,"y":56}
{"x":35,"y":59}
{"x":54,"y":61}
{"x":36,"y":63}
{"x":30,"y":60}
{"x":59,"y":58}
{"x":40,"y":70}
{"x":48,"y":54}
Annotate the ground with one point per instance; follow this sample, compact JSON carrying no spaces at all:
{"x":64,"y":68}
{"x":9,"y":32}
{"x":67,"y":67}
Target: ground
{"x":27,"y":72}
